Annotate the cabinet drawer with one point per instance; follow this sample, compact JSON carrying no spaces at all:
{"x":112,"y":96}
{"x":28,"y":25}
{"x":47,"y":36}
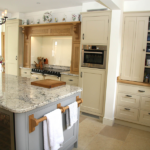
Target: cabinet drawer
{"x":125,"y":88}
{"x":145,"y":117}
{"x":37,"y":77}
{"x":70,"y":79}
{"x":27,"y":76}
{"x":25,"y":72}
{"x":52,"y":78}
{"x":145,"y":103}
{"x":127,"y":113}
{"x":128,"y":100}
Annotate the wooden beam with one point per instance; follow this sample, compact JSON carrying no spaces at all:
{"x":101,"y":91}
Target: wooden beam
{"x":50,"y":24}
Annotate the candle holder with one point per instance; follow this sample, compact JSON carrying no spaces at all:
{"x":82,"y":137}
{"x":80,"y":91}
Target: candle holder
{"x":3,"y":20}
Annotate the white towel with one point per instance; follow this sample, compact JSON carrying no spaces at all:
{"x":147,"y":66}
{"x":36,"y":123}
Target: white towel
{"x":53,"y":130}
{"x":73,"y":114}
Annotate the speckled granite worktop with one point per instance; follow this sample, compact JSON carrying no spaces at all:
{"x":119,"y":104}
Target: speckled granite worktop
{"x":70,"y":74}
{"x":18,"y":95}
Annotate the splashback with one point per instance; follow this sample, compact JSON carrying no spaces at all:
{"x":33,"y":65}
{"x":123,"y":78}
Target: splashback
{"x":57,"y":49}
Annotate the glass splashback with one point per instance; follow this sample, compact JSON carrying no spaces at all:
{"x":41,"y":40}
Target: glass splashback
{"x":57,"y":49}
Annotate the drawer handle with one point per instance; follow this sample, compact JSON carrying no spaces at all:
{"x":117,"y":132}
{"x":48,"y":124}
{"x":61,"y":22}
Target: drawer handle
{"x":127,"y":109}
{"x":149,"y":113}
{"x":141,"y":91}
{"x":25,"y":72}
{"x":37,"y":78}
{"x":70,"y":80}
{"x":128,"y":95}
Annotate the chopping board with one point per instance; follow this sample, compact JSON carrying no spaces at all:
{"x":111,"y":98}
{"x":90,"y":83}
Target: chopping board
{"x":48,"y":83}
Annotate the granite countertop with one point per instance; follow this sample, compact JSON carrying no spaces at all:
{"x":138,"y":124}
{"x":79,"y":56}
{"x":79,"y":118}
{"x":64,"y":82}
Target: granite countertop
{"x":26,"y":68}
{"x":18,"y":95}
{"x":70,"y":74}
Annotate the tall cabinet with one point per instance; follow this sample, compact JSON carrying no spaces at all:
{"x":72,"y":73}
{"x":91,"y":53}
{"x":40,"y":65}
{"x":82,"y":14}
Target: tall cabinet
{"x":13,"y":47}
{"x":94,"y":31}
{"x":134,"y":48}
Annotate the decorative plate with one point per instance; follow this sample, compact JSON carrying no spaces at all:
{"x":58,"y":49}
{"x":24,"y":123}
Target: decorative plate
{"x":47,"y":17}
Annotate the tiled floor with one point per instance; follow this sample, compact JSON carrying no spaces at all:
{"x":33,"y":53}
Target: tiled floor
{"x":93,"y":135}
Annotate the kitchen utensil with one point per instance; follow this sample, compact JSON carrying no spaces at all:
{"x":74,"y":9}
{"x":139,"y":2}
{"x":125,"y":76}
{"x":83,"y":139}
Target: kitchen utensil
{"x":41,"y":64}
{"x":48,"y":83}
{"x":35,"y":62}
{"x":46,"y":61}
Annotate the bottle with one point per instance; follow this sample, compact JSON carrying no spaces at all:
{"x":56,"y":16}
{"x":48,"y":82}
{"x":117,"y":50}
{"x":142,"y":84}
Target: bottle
{"x":146,"y":79}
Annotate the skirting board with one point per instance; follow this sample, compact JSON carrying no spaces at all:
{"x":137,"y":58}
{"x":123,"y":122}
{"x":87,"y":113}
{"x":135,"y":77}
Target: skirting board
{"x":108,"y":122}
{"x":132,"y":125}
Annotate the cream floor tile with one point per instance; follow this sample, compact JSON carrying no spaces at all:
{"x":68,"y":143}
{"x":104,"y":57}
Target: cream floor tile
{"x":101,"y":142}
{"x":118,"y":132}
{"x":85,"y":136}
{"x":92,"y":124}
{"x":134,"y":142}
{"x":140,"y":133}
{"x":82,"y":118}
{"x":77,"y":149}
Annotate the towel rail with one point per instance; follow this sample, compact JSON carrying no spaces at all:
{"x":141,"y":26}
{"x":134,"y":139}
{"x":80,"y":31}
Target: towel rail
{"x":33,"y":122}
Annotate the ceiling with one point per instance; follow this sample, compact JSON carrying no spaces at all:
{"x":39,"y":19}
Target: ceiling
{"x":31,"y":5}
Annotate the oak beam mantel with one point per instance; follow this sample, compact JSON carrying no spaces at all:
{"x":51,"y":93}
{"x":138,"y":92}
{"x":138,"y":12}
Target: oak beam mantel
{"x":54,"y":29}
{"x":51,"y":24}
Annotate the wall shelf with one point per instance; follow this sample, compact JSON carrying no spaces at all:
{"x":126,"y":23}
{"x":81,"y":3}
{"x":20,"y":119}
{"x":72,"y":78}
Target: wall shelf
{"x":148,"y":41}
{"x":147,"y":52}
{"x":148,"y":30}
{"x":147,"y":66}
{"x":132,"y":82}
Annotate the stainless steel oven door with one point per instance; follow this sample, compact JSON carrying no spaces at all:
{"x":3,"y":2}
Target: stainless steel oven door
{"x":93,"y":59}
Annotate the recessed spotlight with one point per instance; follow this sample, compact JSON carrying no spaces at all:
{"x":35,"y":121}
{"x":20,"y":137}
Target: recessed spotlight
{"x":38,"y":3}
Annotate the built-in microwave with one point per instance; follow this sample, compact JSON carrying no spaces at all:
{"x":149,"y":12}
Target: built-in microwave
{"x":94,"y":56}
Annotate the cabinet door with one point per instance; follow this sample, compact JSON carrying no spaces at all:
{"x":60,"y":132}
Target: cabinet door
{"x":11,"y":48}
{"x":144,"y":117}
{"x":75,"y":58}
{"x":93,"y":86}
{"x":140,"y":49}
{"x":94,"y":30}
{"x":128,"y":46}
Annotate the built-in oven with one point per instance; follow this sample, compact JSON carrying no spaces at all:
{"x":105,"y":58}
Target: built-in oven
{"x":94,"y":56}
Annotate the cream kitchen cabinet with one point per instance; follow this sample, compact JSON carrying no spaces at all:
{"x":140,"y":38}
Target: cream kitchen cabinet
{"x":71,"y":80}
{"x":134,"y":48}
{"x":13,"y":47}
{"x":95,"y":28}
{"x":93,"y":83}
{"x":25,"y":72}
{"x":133,"y":104}
{"x":51,"y":77}
{"x":36,"y":77}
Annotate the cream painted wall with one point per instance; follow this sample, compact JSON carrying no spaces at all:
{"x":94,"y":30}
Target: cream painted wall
{"x":113,"y":66}
{"x":56,"y":49}
{"x":140,"y":5}
{"x":91,"y":5}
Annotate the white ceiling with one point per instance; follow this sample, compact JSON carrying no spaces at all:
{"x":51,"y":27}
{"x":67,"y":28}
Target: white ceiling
{"x":31,"y":5}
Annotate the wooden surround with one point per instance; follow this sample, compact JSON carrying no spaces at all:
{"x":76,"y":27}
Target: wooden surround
{"x":54,"y":29}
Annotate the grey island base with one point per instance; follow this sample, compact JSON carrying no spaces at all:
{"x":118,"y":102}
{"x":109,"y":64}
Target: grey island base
{"x":19,"y":99}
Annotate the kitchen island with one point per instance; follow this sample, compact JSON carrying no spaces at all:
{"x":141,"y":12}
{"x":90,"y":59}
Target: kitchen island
{"x":19,"y":100}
